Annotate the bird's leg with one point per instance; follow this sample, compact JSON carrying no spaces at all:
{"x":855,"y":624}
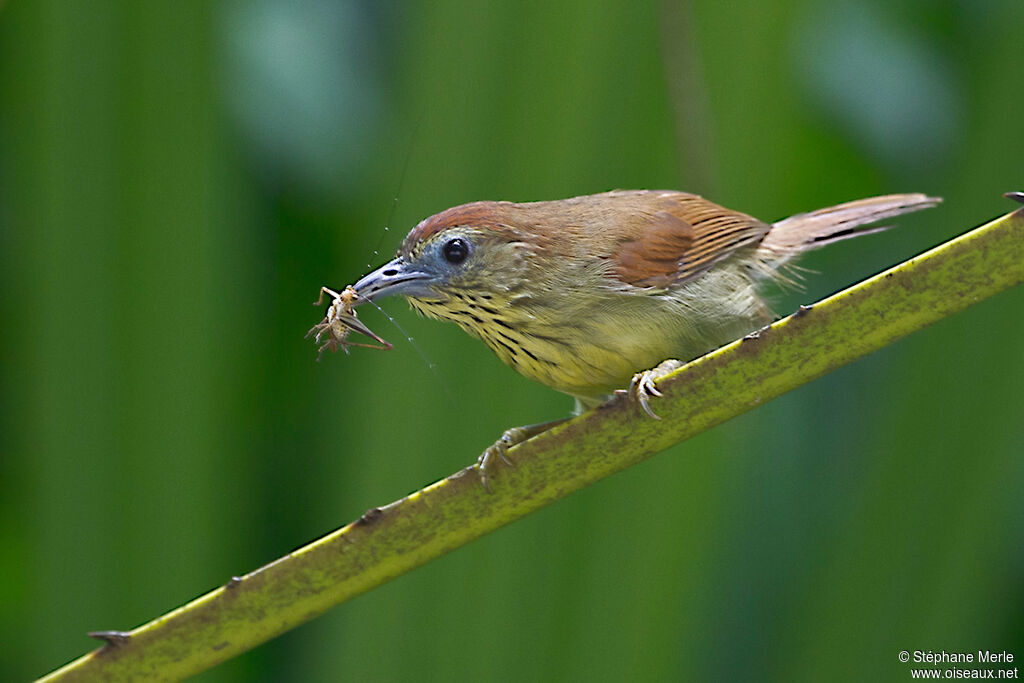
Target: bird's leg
{"x":642,"y":386}
{"x":488,"y":460}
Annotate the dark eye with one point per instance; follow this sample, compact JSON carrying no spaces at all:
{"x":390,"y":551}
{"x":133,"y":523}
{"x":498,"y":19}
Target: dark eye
{"x":455,"y":250}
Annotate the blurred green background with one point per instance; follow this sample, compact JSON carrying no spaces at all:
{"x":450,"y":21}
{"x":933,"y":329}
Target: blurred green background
{"x":177,"y":180}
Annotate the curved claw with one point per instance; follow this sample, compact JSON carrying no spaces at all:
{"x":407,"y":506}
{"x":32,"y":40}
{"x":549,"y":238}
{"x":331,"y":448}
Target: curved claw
{"x":499,"y":449}
{"x":644,"y":385}
{"x":641,"y":388}
{"x":488,"y":460}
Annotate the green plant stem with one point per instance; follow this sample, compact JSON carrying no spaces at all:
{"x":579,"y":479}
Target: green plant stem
{"x":387,"y":542}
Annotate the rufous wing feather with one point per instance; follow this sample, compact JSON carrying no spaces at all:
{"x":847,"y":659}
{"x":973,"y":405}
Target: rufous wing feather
{"x":684,"y":237}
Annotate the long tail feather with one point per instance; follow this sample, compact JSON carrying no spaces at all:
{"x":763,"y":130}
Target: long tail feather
{"x":803,"y":232}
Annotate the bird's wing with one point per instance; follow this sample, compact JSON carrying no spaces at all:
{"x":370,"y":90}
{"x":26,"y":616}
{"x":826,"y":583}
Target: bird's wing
{"x":679,"y":236}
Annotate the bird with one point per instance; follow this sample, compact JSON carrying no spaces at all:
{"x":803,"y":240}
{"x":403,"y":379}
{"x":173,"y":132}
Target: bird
{"x":593,"y":294}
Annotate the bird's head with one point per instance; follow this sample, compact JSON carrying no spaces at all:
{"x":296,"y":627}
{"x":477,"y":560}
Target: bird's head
{"x":451,"y":264}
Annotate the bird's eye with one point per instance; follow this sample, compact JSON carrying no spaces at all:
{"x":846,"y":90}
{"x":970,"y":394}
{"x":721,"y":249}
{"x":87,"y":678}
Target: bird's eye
{"x":455,"y":250}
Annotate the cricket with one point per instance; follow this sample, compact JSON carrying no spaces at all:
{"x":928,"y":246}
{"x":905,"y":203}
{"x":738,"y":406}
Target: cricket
{"x":333,"y":331}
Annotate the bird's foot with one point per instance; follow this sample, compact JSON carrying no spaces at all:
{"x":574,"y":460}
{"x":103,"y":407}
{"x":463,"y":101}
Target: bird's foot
{"x":643,"y":384}
{"x":498,"y":451}
{"x":488,"y":460}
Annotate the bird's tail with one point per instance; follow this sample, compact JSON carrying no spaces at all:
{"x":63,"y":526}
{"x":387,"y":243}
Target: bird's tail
{"x":805,"y":231}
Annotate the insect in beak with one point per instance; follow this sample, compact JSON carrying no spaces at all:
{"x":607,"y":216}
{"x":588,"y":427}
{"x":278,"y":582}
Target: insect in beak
{"x":340,"y":321}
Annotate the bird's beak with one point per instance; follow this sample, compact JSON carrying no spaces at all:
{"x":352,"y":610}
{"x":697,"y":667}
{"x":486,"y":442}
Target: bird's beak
{"x":397,"y":277}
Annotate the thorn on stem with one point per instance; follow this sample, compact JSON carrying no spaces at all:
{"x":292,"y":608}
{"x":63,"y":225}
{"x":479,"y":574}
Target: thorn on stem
{"x":111,"y":638}
{"x":370,"y":516}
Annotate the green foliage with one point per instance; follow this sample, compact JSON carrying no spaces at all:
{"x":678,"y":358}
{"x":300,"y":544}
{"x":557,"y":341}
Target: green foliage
{"x":177,"y":180}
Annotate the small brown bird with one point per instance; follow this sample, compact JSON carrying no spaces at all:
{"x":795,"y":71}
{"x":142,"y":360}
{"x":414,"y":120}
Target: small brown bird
{"x":582,"y":294}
